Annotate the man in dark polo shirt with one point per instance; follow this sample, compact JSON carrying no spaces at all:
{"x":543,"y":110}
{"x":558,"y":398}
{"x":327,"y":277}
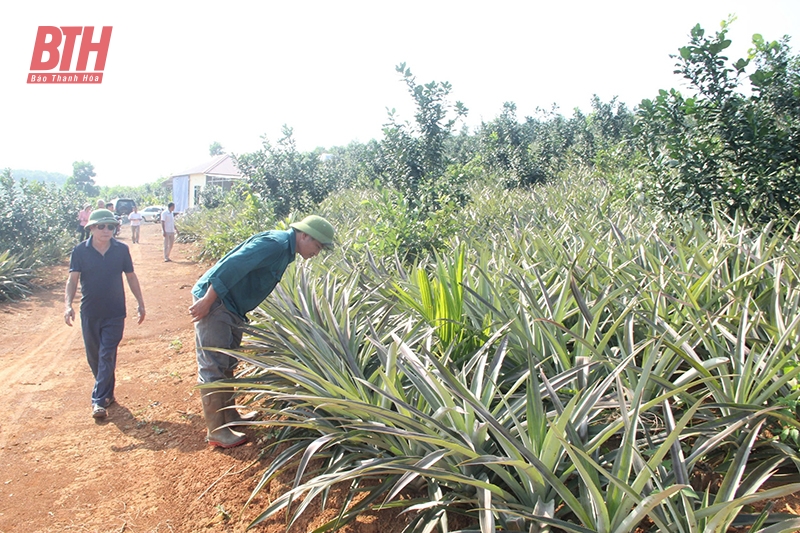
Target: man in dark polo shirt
{"x":99,"y":263}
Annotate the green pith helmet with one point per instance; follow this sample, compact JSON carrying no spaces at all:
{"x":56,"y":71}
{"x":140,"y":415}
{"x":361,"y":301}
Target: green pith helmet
{"x":317,"y":227}
{"x":101,"y":216}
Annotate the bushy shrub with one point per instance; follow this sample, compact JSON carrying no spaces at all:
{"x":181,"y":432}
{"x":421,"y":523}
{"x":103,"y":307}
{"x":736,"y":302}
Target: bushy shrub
{"x":406,"y":231}
{"x":38,"y":222}
{"x":542,"y":148}
{"x":414,"y":157}
{"x":505,"y":150}
{"x":216,"y":231}
{"x":288,"y":179}
{"x":721,"y":145}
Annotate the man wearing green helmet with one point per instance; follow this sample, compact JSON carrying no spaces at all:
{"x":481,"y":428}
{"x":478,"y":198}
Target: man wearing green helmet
{"x":229,"y":290}
{"x":98,"y":264}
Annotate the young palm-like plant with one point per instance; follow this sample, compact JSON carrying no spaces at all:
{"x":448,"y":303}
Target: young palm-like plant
{"x":575,"y":369}
{"x":15,"y":281}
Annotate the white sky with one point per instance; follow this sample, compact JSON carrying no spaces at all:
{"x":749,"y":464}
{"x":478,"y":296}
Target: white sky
{"x":181,"y":75}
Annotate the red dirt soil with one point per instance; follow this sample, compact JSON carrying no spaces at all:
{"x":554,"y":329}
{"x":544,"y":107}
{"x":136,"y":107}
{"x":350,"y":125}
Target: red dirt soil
{"x":147,"y":467}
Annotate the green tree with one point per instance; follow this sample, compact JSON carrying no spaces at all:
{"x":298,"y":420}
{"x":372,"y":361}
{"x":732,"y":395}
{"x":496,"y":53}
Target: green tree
{"x":608,"y":125}
{"x":280,"y":174}
{"x":505,"y":150}
{"x":83,"y":178}
{"x":212,"y":196}
{"x":156,"y":193}
{"x":414,"y":157}
{"x":215,"y":149}
{"x":540,"y":148}
{"x":424,"y":186}
{"x":722,"y":145}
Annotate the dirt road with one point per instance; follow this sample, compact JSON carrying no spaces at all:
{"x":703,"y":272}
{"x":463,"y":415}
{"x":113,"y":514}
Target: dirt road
{"x":147,"y":467}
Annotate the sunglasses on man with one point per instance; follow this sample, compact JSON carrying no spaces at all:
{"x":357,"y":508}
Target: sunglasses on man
{"x":112,"y":227}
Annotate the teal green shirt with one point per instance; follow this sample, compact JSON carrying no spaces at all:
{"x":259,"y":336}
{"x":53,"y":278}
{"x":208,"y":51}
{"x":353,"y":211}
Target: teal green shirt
{"x":249,"y":273}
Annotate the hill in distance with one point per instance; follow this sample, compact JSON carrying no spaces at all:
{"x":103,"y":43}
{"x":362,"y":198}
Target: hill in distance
{"x":40,"y":175}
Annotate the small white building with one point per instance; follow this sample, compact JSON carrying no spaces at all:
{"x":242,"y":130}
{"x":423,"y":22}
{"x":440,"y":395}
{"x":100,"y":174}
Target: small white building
{"x":187,"y":186}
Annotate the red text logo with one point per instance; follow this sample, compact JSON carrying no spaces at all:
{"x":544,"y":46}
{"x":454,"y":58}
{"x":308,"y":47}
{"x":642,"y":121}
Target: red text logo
{"x":53,"y":55}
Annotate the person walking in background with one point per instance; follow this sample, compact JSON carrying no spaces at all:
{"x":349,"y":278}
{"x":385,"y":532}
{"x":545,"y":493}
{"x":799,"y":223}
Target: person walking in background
{"x":135,"y":219}
{"x":225,"y":294}
{"x":83,"y":218}
{"x":98,"y":263}
{"x":168,"y":230}
{"x":110,"y":207}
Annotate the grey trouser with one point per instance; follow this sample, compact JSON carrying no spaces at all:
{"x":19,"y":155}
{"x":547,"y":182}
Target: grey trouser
{"x":219,"y":329}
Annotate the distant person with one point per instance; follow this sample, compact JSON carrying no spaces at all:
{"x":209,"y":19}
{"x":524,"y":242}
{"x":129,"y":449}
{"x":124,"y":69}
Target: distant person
{"x":168,"y":230}
{"x":83,"y":218}
{"x":110,"y":207}
{"x":99,"y":263}
{"x":101,"y":204}
{"x":135,"y":219}
{"x":225,"y":294}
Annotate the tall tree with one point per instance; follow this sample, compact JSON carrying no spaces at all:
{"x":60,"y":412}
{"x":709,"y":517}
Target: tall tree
{"x":216,"y":149}
{"x":83,"y":178}
{"x":414,"y":155}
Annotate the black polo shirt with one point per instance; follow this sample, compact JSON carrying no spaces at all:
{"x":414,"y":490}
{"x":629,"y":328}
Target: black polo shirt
{"x":102,"y":291}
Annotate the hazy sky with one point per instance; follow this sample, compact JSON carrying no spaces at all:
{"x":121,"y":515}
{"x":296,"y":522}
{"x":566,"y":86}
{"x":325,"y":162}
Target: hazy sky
{"x":181,"y":75}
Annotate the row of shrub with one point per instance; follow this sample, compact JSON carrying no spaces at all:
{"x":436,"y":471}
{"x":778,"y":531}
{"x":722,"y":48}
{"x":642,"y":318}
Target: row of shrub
{"x":730,"y":143}
{"x":38,"y":225}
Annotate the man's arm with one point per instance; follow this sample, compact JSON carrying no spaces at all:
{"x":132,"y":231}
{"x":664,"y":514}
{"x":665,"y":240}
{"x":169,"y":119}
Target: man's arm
{"x":133,"y":283}
{"x":201,"y":307}
{"x":69,"y":295}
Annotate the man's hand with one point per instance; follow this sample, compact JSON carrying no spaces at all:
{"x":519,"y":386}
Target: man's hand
{"x":69,"y":295}
{"x":141,"y":313}
{"x":200,"y":309}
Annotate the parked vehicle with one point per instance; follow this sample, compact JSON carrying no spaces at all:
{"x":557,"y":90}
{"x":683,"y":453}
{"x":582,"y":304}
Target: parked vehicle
{"x":152,"y":213}
{"x":123,"y":206}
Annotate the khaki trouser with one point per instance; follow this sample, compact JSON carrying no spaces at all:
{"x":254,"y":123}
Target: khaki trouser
{"x":169,"y":240}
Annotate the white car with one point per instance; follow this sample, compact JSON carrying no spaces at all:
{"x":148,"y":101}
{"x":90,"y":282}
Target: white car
{"x":152,"y":213}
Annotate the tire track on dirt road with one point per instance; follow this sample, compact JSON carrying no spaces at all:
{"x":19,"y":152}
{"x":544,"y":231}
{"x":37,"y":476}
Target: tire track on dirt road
{"x":36,"y":362}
